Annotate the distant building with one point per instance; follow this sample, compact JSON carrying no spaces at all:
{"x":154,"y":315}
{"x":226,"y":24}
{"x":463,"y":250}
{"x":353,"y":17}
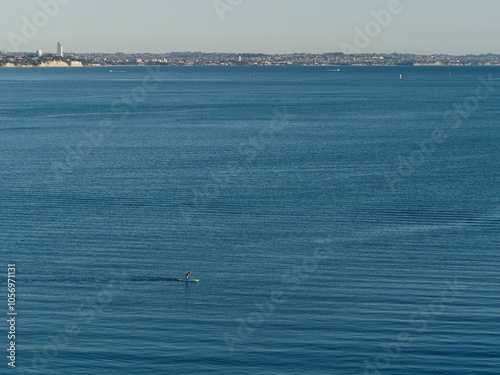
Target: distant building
{"x":60,"y":51}
{"x":39,"y":52}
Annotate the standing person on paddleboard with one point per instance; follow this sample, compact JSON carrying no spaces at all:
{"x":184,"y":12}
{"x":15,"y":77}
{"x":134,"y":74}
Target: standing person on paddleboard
{"x":188,"y":274}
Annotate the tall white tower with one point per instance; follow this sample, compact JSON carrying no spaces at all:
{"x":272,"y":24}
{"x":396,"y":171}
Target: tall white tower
{"x":60,"y":51}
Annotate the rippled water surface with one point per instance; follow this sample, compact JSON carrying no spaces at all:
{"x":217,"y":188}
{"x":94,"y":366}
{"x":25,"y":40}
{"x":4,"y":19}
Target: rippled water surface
{"x":340,"y":222}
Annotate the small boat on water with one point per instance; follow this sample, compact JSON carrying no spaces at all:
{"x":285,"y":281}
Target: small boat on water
{"x":181,"y":280}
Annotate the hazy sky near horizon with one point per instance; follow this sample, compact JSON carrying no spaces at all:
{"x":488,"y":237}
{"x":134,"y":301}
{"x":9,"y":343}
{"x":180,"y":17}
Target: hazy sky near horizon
{"x":267,"y":26}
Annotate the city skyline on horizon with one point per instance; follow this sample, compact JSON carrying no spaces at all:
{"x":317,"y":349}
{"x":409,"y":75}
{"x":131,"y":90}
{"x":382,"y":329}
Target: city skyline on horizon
{"x":240,"y":26}
{"x":242,"y":53}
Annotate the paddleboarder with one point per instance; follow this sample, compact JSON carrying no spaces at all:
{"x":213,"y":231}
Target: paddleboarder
{"x":188,"y":274}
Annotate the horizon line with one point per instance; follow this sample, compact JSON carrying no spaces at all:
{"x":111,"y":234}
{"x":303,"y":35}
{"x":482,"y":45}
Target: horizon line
{"x":267,"y":53}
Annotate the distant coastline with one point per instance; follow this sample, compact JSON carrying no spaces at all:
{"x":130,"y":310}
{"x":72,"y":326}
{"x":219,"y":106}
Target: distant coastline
{"x":48,"y":64}
{"x":26,"y":60}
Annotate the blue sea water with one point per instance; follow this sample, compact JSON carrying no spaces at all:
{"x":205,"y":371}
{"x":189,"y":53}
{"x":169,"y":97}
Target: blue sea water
{"x":340,"y":222}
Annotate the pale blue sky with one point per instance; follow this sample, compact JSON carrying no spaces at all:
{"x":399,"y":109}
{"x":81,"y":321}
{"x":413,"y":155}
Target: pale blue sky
{"x":268,"y":26}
